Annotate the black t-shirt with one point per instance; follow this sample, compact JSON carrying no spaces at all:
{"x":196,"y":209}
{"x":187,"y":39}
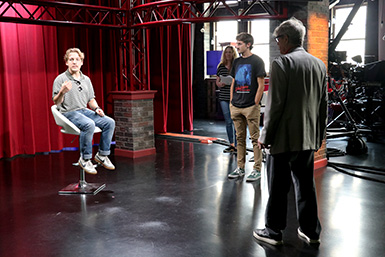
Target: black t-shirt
{"x":246,"y":71}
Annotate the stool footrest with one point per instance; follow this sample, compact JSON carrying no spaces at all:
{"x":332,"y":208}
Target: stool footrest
{"x":82,"y":187}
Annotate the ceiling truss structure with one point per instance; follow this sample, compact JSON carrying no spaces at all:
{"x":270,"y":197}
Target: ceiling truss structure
{"x":171,"y":12}
{"x":45,"y":12}
{"x":133,"y":18}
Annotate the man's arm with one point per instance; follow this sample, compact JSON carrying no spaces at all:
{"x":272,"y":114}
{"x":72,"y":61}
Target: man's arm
{"x":261,"y":87}
{"x":94,"y":106}
{"x":231,"y":90}
{"x":323,"y":110}
{"x":275,"y":104}
{"x":65,"y":87}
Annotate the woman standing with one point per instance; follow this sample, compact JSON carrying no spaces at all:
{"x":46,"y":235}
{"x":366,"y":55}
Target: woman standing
{"x":224,"y":67}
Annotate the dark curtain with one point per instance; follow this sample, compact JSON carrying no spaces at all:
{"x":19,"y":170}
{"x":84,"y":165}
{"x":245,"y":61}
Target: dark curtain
{"x":31,"y":56}
{"x":170,"y":74}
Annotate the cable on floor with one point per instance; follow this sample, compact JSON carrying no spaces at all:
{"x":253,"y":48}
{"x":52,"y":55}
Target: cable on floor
{"x":334,"y":152}
{"x":341,"y":168}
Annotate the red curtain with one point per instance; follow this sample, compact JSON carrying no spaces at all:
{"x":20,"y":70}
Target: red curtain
{"x":31,"y":57}
{"x":170,"y":75}
{"x":28,"y":59}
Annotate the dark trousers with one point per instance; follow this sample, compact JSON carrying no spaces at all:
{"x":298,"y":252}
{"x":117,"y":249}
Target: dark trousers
{"x":281,"y":169}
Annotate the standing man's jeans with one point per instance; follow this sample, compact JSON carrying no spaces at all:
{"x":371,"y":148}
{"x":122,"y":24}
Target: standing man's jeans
{"x":229,"y":122}
{"x":86,"y":120}
{"x":242,"y":118}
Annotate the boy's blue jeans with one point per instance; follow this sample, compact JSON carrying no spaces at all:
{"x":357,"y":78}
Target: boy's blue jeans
{"x":86,"y":120}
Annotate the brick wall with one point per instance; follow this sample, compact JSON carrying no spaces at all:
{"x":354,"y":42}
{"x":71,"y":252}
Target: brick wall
{"x":318,"y":43}
{"x":135,"y":124}
{"x":318,"y":31}
{"x":134,"y":117}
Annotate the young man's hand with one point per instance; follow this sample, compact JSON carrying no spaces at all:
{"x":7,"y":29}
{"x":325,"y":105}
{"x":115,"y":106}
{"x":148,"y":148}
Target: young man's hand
{"x":100,"y":112}
{"x":262,"y":145}
{"x":66,"y":86}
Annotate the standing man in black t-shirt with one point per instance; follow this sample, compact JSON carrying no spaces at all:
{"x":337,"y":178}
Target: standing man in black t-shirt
{"x":246,"y":92}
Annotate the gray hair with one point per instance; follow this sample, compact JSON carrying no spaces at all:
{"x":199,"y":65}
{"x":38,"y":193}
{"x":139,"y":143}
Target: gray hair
{"x":293,"y":29}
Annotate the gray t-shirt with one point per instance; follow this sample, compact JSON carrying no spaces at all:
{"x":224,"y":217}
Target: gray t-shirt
{"x":80,"y":94}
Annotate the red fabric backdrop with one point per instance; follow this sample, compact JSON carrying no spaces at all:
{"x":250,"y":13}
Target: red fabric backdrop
{"x":28,"y":60}
{"x":31,"y":57}
{"x":170,"y":75}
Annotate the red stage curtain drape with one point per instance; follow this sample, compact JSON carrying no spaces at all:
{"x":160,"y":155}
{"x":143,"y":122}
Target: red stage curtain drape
{"x":28,"y":59}
{"x":31,"y":57}
{"x":170,"y":75}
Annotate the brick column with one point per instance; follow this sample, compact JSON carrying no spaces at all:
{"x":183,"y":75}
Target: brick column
{"x":134,"y":117}
{"x":318,"y":45}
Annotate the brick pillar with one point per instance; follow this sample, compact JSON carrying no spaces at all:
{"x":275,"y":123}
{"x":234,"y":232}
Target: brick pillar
{"x":318,"y":43}
{"x":134,"y":117}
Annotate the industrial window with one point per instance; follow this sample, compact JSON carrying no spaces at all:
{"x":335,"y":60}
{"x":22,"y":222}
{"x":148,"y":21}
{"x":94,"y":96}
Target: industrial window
{"x":353,"y":41}
{"x":260,"y":29}
{"x":226,"y":31}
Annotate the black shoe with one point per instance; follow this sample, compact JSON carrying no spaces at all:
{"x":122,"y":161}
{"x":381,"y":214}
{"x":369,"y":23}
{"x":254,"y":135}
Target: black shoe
{"x":308,"y":239}
{"x":230,"y":149}
{"x":227,"y":150}
{"x":263,"y":236}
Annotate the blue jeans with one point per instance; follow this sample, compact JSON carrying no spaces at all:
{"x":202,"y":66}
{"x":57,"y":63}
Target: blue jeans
{"x":86,"y":120}
{"x":229,"y":122}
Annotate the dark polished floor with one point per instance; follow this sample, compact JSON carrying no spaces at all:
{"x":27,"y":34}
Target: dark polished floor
{"x":179,"y":202}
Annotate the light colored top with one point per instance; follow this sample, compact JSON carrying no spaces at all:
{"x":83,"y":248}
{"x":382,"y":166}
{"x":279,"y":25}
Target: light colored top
{"x":78,"y":97}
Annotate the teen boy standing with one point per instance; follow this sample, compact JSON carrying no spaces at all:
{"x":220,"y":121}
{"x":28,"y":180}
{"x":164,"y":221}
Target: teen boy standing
{"x":246,"y":92}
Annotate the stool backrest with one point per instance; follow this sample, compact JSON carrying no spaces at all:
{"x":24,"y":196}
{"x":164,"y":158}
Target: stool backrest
{"x":67,"y":126}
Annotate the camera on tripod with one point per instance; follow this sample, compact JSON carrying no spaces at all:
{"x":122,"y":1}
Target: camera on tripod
{"x":356,"y":94}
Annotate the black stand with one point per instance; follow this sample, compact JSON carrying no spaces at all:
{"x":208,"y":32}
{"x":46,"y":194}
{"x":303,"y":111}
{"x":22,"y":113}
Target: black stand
{"x":356,"y":145}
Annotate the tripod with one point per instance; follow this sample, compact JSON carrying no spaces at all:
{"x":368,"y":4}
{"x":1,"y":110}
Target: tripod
{"x":356,"y":145}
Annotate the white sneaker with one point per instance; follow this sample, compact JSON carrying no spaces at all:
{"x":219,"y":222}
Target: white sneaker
{"x":87,"y":166}
{"x":307,"y":238}
{"x":104,"y":161}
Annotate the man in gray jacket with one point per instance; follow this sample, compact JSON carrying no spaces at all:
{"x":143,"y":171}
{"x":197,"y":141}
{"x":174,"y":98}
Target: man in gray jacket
{"x":294,"y":127}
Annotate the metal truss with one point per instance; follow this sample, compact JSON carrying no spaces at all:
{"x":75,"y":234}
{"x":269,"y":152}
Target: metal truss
{"x":147,"y":14}
{"x":63,"y":13}
{"x":133,"y":18}
{"x":170,"y":12}
{"x":134,"y":60}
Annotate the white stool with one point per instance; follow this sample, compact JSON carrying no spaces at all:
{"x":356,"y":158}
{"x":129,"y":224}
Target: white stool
{"x":81,"y":187}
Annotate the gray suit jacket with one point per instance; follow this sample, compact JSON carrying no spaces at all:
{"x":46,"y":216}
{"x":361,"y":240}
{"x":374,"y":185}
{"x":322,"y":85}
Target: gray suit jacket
{"x":296,"y":108}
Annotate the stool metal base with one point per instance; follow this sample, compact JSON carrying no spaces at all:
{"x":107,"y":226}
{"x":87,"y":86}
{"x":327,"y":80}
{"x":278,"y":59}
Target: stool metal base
{"x":82,"y":188}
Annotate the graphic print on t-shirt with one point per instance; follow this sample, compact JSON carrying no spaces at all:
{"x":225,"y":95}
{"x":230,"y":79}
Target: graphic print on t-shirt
{"x":243,"y":78}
